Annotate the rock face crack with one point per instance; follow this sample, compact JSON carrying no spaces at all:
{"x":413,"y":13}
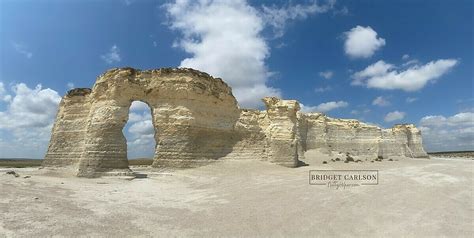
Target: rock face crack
{"x":198,"y":121}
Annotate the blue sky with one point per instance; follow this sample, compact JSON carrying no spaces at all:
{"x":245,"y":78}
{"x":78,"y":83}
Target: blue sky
{"x":383,"y":62}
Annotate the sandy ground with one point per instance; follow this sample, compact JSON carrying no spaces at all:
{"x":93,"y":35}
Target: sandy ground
{"x":414,"y":198}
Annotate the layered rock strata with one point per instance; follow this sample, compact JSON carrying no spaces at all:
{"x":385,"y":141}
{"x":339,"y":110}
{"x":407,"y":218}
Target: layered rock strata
{"x":360,"y":139}
{"x":197,"y":121}
{"x":194,"y":114}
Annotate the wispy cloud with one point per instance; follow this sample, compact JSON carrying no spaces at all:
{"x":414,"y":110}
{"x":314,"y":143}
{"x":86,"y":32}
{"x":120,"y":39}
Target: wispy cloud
{"x":361,"y":111}
{"x":381,"y":101}
{"x":22,"y":49}
{"x":344,"y":11}
{"x":394,"y":116}
{"x":128,"y":2}
{"x":411,"y":62}
{"x":324,"y":107}
{"x":278,"y":17}
{"x":410,"y":99}
{"x":112,"y":56}
{"x":323,"y":89}
{"x":326,"y":74}
{"x":4,"y":96}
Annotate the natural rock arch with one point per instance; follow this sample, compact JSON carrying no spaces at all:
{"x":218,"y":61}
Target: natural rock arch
{"x":194,"y":113}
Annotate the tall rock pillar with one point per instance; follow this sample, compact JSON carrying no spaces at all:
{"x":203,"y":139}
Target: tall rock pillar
{"x":282,"y":131}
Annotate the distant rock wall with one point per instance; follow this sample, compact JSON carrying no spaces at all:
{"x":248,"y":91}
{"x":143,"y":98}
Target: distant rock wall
{"x":361,"y":139}
{"x":197,"y":121}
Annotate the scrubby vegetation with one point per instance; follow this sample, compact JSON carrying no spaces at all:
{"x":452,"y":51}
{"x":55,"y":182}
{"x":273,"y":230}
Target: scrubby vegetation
{"x":140,"y":161}
{"x":464,"y":154}
{"x":22,"y":163}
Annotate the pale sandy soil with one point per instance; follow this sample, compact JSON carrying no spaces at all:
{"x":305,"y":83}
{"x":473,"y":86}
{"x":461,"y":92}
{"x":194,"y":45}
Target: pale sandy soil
{"x":414,"y":198}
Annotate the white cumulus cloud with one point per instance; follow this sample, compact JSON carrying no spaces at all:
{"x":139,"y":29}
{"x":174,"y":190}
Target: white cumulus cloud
{"x":362,"y":42}
{"x":394,"y":116}
{"x":144,"y":127}
{"x":27,"y":120}
{"x":30,"y":107}
{"x":378,"y":69}
{"x":139,"y":106}
{"x":224,"y":38}
{"x":452,"y":133}
{"x":139,"y":131}
{"x":324,"y":107}
{"x":137,"y":117}
{"x":112,"y":56}
{"x":385,"y":76}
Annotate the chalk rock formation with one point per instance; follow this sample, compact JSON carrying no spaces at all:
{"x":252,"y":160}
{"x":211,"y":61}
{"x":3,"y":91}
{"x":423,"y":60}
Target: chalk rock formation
{"x":402,"y":140}
{"x":281,"y":131}
{"x":361,"y":139}
{"x":268,"y":135}
{"x":193,"y":115}
{"x":69,"y":132}
{"x":197,"y":121}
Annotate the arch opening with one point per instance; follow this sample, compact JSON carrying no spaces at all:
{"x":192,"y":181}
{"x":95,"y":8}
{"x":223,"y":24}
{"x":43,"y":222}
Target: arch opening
{"x":140,"y":133}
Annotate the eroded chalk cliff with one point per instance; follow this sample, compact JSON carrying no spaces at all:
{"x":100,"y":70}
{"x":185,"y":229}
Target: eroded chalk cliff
{"x":361,"y":139}
{"x":197,"y":121}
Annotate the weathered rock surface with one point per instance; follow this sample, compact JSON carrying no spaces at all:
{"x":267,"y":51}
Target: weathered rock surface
{"x":197,"y":120}
{"x":281,"y":131}
{"x":361,"y":139}
{"x":193,"y":115}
